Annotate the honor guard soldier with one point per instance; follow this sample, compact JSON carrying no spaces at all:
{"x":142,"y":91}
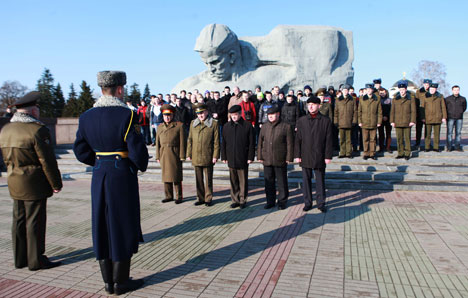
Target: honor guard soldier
{"x":369,"y":118}
{"x":203,"y":151}
{"x":110,"y":140}
{"x":170,"y":152}
{"x":33,"y":176}
{"x":238,"y":150}
{"x":433,"y":113}
{"x":403,"y":117}
{"x":345,"y":116}
{"x":313,"y":150}
{"x":275,"y":151}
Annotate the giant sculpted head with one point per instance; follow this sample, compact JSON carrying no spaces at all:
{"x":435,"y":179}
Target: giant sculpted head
{"x":219,"y":49}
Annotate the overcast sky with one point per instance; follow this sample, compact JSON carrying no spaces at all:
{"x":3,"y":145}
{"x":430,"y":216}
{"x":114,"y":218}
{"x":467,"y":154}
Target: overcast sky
{"x":153,"y":40}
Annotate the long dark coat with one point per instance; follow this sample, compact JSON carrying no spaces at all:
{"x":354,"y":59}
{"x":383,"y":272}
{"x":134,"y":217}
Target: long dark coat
{"x":313,"y":142}
{"x":114,"y":186}
{"x":170,"y":150}
{"x":275,"y":144}
{"x":238,"y":143}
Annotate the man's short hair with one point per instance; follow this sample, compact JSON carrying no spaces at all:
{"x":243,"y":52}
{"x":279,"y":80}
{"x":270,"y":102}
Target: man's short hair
{"x":110,"y":90}
{"x":153,"y":96}
{"x":216,"y":92}
{"x":455,"y":86}
{"x":183,"y":91}
{"x":289,"y":95}
{"x":173,"y":94}
{"x":267,"y":92}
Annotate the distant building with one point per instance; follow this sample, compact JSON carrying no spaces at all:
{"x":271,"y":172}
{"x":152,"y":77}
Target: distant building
{"x":411,"y":87}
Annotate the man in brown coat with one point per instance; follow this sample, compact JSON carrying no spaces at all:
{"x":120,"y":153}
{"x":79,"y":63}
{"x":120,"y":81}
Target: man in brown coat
{"x":275,"y":151}
{"x":403,"y":117}
{"x":433,"y":113}
{"x":369,"y":118}
{"x":170,"y":152}
{"x":345,"y":116}
{"x":203,"y":151}
{"x":33,"y":176}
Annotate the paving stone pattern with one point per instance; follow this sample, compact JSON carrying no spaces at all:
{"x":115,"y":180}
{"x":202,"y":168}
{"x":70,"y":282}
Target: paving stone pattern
{"x":369,"y":244}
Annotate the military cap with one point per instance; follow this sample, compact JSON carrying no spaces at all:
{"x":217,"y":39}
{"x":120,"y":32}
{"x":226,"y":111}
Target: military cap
{"x":307,"y":87}
{"x":314,"y":99}
{"x":331,"y":88}
{"x":28,"y":100}
{"x":427,"y":81}
{"x":345,"y":86}
{"x":200,"y":108}
{"x":111,"y":78}
{"x":378,"y":81}
{"x":402,"y":84}
{"x":167,"y":109}
{"x":273,"y":109}
{"x":235,"y":109}
{"x":369,"y":85}
{"x":434,"y":85}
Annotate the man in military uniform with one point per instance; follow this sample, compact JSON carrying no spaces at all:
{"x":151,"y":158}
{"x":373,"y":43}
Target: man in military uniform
{"x":203,"y":151}
{"x":275,"y":151}
{"x":419,"y":99}
{"x":170,"y":152}
{"x":238,"y":150}
{"x":110,"y":140}
{"x":345,"y":116}
{"x":33,"y":176}
{"x":369,"y":118}
{"x":433,"y":113}
{"x":402,"y":118}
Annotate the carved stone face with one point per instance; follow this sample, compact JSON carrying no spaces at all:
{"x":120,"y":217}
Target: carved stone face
{"x":220,"y":65}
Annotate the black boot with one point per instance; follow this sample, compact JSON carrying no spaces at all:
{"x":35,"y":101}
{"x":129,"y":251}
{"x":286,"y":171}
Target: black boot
{"x":106,"y":271}
{"x":121,"y":273}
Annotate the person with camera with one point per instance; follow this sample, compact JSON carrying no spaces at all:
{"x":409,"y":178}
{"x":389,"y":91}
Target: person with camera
{"x":248,"y":109}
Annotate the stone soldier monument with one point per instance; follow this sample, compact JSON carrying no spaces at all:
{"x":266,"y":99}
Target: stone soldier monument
{"x":289,"y":56}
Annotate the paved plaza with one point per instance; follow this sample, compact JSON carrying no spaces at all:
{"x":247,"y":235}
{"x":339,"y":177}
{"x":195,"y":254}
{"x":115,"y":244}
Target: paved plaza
{"x":369,"y":244}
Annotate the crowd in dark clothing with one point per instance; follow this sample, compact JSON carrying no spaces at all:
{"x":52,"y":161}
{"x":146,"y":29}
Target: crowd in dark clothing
{"x":292,"y":106}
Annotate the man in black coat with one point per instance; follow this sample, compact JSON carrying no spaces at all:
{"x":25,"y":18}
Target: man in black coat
{"x":109,"y":139}
{"x":275,"y":151}
{"x":313,"y":150}
{"x":218,"y":109}
{"x":238,"y":150}
{"x":456,"y":106}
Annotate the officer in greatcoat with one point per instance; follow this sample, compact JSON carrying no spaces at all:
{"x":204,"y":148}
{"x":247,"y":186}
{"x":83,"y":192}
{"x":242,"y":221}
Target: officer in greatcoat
{"x":345,"y":116}
{"x":369,"y":118}
{"x":203,"y":151}
{"x":33,"y":176}
{"x":275,"y":151}
{"x":238,"y":150}
{"x":433,"y":114}
{"x":403,"y":117}
{"x":110,"y":140}
{"x":313,"y":150}
{"x":170,"y":152}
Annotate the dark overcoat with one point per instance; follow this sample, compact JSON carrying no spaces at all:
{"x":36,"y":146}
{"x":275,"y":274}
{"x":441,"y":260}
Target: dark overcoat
{"x":111,"y":127}
{"x":313,"y":142}
{"x":275,"y":144}
{"x":238,"y":143}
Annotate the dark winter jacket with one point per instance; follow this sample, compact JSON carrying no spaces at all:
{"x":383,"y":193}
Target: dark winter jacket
{"x":238,"y":143}
{"x":275,"y":144}
{"x":456,"y":106}
{"x":314,"y":141}
{"x":290,"y":113}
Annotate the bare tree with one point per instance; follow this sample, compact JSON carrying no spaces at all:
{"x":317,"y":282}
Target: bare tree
{"x":10,"y":92}
{"x":433,"y":70}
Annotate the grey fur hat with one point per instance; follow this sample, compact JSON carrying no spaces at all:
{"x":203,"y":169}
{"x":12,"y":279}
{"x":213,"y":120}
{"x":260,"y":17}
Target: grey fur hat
{"x":111,"y":78}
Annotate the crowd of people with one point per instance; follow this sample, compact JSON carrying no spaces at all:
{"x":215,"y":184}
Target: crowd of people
{"x":362,"y":121}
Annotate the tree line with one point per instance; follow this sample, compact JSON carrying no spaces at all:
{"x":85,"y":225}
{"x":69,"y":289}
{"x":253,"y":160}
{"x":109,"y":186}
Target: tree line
{"x":52,"y":101}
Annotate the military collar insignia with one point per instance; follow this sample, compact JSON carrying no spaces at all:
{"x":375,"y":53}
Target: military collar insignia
{"x":422,"y":89}
{"x":25,"y":118}
{"x":109,"y":101}
{"x":208,"y":122}
{"x":407,"y":96}
{"x":437,"y":94}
